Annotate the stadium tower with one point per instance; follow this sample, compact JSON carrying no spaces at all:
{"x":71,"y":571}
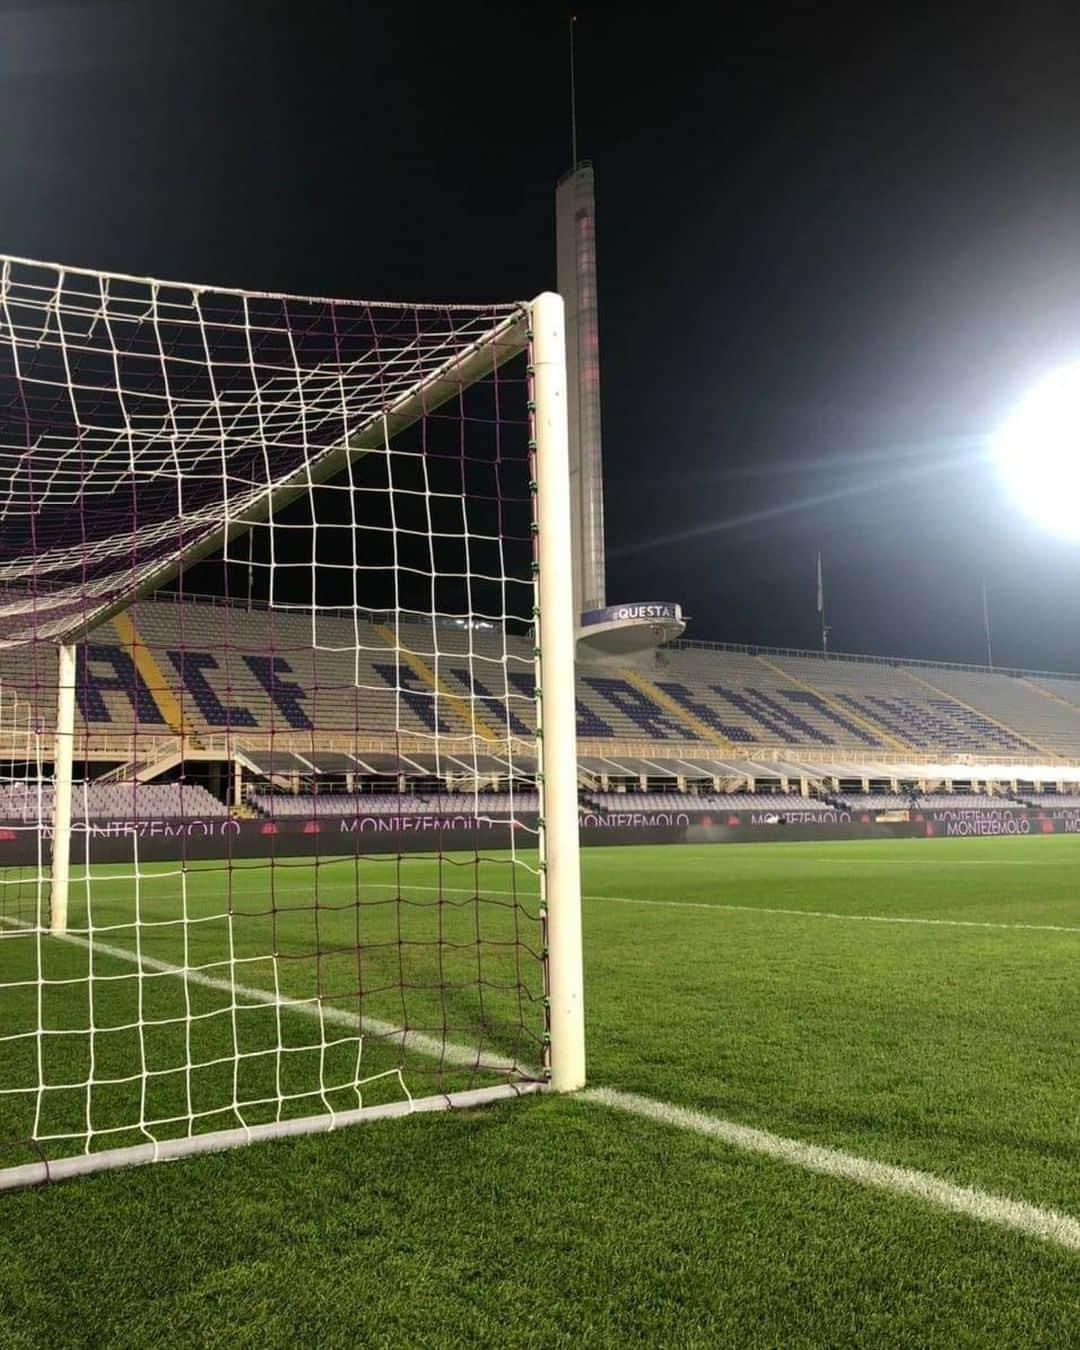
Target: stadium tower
{"x":606,"y":633}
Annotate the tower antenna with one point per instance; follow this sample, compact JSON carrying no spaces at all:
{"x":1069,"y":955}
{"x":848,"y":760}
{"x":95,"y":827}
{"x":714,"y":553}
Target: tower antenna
{"x":573,"y":98}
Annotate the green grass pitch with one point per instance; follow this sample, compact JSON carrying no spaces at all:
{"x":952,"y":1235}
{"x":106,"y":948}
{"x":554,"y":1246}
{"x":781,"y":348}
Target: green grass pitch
{"x":777,"y":986}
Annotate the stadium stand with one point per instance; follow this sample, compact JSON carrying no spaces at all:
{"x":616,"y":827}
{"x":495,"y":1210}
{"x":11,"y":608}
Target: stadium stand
{"x":1062,"y":689}
{"x":198,"y":677}
{"x":804,"y":700}
{"x":114,"y":801}
{"x":394,"y":804}
{"x":936,"y":801}
{"x":724,"y":801}
{"x":879,"y":801}
{"x":1008,"y":702}
{"x":913,"y":713}
{"x":753,"y":704}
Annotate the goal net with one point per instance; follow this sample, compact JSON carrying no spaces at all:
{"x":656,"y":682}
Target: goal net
{"x":288,"y":825}
{"x":25,"y":799}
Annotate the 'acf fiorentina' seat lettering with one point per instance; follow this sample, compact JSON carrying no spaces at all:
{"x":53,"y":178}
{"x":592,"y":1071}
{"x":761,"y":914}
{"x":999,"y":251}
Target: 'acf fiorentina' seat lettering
{"x":589,"y":722}
{"x":285,"y":695}
{"x":498,"y":710}
{"x":317,"y":685}
{"x":937,"y":722}
{"x":904,"y":717}
{"x":704,"y":712}
{"x":199,"y":678}
{"x":812,"y":700}
{"x":779,"y":721}
{"x":190,"y":666}
{"x":418,"y":697}
{"x":978,"y":729}
{"x":90,"y":685}
{"x":641,"y":710}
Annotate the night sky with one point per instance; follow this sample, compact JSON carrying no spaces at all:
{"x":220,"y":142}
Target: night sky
{"x":831,"y":258}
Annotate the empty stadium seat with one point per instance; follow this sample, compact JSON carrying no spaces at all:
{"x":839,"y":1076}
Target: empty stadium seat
{"x":277,"y":671}
{"x":112,"y":801}
{"x":394,"y":804}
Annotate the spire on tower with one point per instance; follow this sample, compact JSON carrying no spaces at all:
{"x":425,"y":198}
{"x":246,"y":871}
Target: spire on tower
{"x":573,"y":98}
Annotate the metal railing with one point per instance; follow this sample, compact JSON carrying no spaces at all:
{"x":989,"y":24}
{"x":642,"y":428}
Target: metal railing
{"x":131,"y":748}
{"x":757,"y":649}
{"x":389,"y":617}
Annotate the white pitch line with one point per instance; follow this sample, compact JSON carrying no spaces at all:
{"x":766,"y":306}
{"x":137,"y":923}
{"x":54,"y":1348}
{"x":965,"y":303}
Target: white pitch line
{"x":423,"y":1044}
{"x":768,"y":909}
{"x":847,"y":863}
{"x":719,"y":905}
{"x":697,"y":904}
{"x":1045,"y":1224}
{"x":828,"y":914}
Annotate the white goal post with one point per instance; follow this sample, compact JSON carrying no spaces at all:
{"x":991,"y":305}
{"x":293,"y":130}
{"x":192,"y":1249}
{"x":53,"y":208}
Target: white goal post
{"x":306,"y":849}
{"x":555,"y":681}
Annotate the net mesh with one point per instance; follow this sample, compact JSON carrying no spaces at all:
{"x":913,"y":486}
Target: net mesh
{"x":292,"y":544}
{"x":25,"y":799}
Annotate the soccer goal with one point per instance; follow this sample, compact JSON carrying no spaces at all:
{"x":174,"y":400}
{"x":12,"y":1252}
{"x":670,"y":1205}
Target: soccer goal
{"x":288,"y":786}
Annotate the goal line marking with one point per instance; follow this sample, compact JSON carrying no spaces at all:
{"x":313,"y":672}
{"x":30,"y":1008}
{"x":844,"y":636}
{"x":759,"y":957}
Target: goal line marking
{"x":418,"y":1041}
{"x":1047,"y":1225}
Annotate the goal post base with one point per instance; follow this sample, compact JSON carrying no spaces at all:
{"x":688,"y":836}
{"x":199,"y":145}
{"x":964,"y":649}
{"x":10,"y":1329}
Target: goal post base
{"x":217,"y":1141}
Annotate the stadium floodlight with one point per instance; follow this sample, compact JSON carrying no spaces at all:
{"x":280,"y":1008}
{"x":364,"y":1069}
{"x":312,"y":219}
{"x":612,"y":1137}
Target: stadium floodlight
{"x":212,"y":928}
{"x":1038,"y":452}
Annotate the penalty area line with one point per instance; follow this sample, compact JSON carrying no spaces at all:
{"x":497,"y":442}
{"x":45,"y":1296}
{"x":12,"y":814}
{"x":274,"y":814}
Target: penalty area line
{"x":1047,"y":1225}
{"x":829,"y":914}
{"x":404,"y":887}
{"x":722,"y":905}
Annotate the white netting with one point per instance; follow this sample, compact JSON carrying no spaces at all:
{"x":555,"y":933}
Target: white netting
{"x":155,"y":411}
{"x":292,"y":544}
{"x":25,"y":799}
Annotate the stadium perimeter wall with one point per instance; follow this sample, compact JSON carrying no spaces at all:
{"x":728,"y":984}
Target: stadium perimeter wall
{"x":209,"y":839}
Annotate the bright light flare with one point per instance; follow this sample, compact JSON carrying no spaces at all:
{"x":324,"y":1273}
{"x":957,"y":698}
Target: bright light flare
{"x":1038,"y":453}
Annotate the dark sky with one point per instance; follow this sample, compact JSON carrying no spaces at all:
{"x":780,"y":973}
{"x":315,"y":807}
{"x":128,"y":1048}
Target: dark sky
{"x":831,"y":257}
